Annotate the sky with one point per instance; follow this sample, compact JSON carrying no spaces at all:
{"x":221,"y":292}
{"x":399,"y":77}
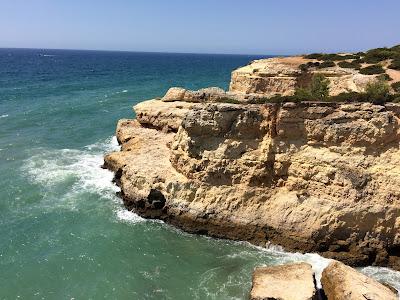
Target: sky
{"x":201,"y":26}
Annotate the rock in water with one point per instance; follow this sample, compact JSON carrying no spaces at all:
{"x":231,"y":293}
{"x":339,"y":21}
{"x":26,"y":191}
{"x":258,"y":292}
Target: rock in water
{"x":284,"y":282}
{"x":343,"y":282}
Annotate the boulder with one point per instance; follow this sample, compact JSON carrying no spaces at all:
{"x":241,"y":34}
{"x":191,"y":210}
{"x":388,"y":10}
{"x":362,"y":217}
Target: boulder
{"x":174,"y":94}
{"x":285,"y":282}
{"x":343,"y":282}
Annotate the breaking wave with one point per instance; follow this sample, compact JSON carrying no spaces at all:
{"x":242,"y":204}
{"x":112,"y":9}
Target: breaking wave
{"x":75,"y":172}
{"x":72,"y":173}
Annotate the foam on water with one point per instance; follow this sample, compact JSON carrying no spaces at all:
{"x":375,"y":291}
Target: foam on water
{"x":128,"y":216}
{"x":383,"y":274}
{"x":80,"y":171}
{"x":3,"y":116}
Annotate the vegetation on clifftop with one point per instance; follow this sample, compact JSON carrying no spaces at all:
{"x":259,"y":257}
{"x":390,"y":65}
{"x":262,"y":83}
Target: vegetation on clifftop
{"x":374,"y":56}
{"x":376,"y":92}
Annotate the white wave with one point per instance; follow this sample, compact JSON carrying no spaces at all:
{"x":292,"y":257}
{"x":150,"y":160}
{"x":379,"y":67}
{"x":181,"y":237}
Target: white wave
{"x":3,"y":116}
{"x":123,"y":91}
{"x":319,"y":263}
{"x":110,"y":145}
{"x":78,"y":171}
{"x":280,"y":256}
{"x":384,"y":275}
{"x":128,"y":216}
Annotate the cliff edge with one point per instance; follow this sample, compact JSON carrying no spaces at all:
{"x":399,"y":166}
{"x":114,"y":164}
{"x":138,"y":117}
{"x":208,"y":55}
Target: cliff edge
{"x":312,"y":176}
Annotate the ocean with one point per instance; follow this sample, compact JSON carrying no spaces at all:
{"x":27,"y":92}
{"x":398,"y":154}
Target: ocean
{"x":64,"y":233}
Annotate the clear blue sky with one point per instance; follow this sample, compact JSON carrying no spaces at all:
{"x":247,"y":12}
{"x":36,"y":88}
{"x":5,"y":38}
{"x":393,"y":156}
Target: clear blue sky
{"x":210,"y":26}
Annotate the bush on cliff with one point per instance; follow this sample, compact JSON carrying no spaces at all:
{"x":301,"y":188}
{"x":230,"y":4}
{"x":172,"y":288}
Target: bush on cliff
{"x":349,"y":97}
{"x":311,"y":87}
{"x":371,"y":70}
{"x":395,"y":64}
{"x":303,"y":94}
{"x":349,"y":65}
{"x":378,"y":92}
{"x":331,"y":57}
{"x":384,"y":77}
{"x":319,"y":86}
{"x":396,"y":86}
{"x":326,"y":64}
{"x":374,"y":56}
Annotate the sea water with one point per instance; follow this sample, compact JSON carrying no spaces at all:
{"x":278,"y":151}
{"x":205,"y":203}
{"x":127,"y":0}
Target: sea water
{"x":64,"y":233}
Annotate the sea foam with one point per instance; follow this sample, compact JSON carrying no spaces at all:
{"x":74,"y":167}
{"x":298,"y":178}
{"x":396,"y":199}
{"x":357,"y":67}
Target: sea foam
{"x":74,"y":172}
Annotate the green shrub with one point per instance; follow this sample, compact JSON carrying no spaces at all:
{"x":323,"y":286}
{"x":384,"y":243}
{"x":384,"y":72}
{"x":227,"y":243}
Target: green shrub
{"x":396,"y":86}
{"x":396,"y":48}
{"x":303,"y":67}
{"x":377,"y":92}
{"x":379,"y":54}
{"x":311,"y":87}
{"x":310,"y":64}
{"x":303,"y":94}
{"x":396,"y":99}
{"x":314,"y":56}
{"x":332,"y":57}
{"x":358,"y":61}
{"x":326,"y":64}
{"x":349,"y":65}
{"x":374,"y":69}
{"x":395,"y":64}
{"x":384,"y":77}
{"x":319,"y":86}
{"x":349,"y":97}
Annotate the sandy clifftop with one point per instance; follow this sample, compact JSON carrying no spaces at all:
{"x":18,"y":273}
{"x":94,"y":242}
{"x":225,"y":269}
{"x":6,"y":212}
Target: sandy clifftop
{"x":280,"y":75}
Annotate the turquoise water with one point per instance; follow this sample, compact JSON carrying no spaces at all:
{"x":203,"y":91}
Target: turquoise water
{"x":63,"y":232}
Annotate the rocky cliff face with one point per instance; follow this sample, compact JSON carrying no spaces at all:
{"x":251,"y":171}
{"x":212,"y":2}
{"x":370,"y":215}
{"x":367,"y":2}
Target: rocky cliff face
{"x":297,"y":282}
{"x":268,"y":77}
{"x":320,"y":177}
{"x":309,"y":176}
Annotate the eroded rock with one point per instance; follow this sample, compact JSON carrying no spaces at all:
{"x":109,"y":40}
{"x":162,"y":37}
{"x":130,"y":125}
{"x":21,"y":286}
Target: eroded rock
{"x":284,"y":282}
{"x":310,"y":176}
{"x":279,"y":75}
{"x":343,"y":282}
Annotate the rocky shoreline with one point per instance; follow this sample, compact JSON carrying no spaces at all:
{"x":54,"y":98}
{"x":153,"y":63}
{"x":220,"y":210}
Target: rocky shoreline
{"x":312,"y":176}
{"x":297,"y":282}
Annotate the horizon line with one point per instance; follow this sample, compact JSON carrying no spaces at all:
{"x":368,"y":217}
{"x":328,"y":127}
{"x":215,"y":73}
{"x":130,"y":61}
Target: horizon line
{"x":136,"y":51}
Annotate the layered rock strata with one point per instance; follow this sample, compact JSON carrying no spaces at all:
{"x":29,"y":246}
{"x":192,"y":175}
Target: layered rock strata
{"x":280,"y":75}
{"x":314,"y":177}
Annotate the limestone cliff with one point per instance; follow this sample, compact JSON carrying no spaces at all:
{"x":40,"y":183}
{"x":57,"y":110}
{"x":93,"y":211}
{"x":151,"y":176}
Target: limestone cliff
{"x":282,"y":75}
{"x":268,"y":77}
{"x":320,"y":177}
{"x":309,"y":176}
